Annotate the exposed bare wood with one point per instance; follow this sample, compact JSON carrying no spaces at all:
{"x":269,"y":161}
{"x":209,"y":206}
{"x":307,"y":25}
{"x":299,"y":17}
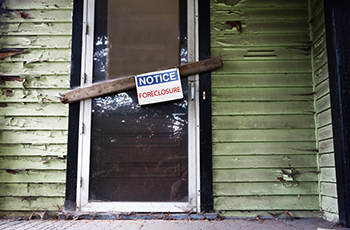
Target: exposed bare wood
{"x":128,"y":83}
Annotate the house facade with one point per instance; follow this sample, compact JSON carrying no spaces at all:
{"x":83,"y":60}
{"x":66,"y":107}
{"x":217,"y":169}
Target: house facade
{"x":263,"y":135}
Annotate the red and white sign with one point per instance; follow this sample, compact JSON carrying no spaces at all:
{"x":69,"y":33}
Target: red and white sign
{"x":158,"y":86}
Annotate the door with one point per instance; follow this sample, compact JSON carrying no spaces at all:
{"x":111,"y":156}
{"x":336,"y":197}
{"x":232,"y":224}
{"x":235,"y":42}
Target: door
{"x":131,"y":157}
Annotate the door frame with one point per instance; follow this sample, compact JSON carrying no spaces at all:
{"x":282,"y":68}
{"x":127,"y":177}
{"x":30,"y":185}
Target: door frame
{"x":83,"y":163}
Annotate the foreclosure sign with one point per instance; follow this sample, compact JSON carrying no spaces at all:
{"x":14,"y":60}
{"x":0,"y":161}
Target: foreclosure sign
{"x":158,"y":86}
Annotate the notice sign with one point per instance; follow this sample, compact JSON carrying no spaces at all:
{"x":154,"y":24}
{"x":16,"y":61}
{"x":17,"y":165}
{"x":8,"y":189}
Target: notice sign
{"x":158,"y":86}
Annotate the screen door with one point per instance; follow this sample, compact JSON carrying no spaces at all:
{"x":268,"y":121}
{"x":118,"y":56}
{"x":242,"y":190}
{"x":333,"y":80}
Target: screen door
{"x":132,"y":157}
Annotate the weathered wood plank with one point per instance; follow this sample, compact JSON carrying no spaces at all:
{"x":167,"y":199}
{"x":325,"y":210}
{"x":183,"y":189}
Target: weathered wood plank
{"x":245,"y":67}
{"x":259,"y":40}
{"x":37,"y":82}
{"x":44,"y":190}
{"x":330,"y":204}
{"x":261,"y":189}
{"x":41,"y":55}
{"x":321,"y":75}
{"x":261,"y":175}
{"x":261,"y":80}
{"x":44,"y":4}
{"x":263,"y":135}
{"x":29,"y":28}
{"x":127,"y":83}
{"x":325,"y":132}
{"x":324,"y":118}
{"x":33,"y":109}
{"x":319,"y":31}
{"x":219,"y":12}
{"x":35,"y":41}
{"x":264,"y":148}
{"x":259,"y":4}
{"x":33,"y":137}
{"x":37,"y":163}
{"x":34,"y":123}
{"x":328,"y":175}
{"x":322,"y":89}
{"x":316,"y":6}
{"x":323,"y":104}
{"x":54,"y":150}
{"x":320,"y":59}
{"x":329,"y":189}
{"x":60,"y":15}
{"x":30,"y":95}
{"x":319,"y":45}
{"x":306,"y":202}
{"x":327,"y":160}
{"x":275,"y":161}
{"x":261,"y":94}
{"x":263,"y":122}
{"x":220,"y":27}
{"x":34,"y":176}
{"x":37,"y":68}
{"x":280,"y":53}
{"x":326,"y":146}
{"x":31,"y":203}
{"x":262,"y":108}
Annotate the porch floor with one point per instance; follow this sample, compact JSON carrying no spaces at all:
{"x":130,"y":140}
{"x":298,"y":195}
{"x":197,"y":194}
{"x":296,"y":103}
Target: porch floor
{"x":229,"y":224}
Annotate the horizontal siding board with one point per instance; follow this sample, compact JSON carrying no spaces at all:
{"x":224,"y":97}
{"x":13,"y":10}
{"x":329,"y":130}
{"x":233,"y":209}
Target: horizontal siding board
{"x":33,"y":137}
{"x":263,"y":135}
{"x":260,"y":175}
{"x":280,"y":53}
{"x":223,"y":13}
{"x":322,"y":89}
{"x":31,"y":203}
{"x":325,"y":132}
{"x":43,"y":150}
{"x":283,"y":203}
{"x":323,"y":103}
{"x":326,"y":146}
{"x":259,"y":4}
{"x":40,"y":55}
{"x":60,"y":15}
{"x":262,"y":108}
{"x":39,"y":82}
{"x":38,"y":163}
{"x":330,"y":204}
{"x":320,"y":59}
{"x":43,"y":4}
{"x":329,"y":189}
{"x":292,"y":66}
{"x":261,"y":80}
{"x":327,"y":160}
{"x":319,"y":45}
{"x":34,"y":176}
{"x":40,"y":68}
{"x":261,"y":189}
{"x":30,"y":95}
{"x":261,"y":94}
{"x":263,"y":122}
{"x":270,"y":213}
{"x":264,"y":148}
{"x":35,"y":41}
{"x":34,"y":123}
{"x":236,"y":162}
{"x":220,"y":27}
{"x":34,"y":109}
{"x":46,"y":190}
{"x":324,"y":118}
{"x":298,"y":40}
{"x":319,"y":32}
{"x":321,"y":75}
{"x":317,"y":17}
{"x":328,"y":175}
{"x":36,"y":28}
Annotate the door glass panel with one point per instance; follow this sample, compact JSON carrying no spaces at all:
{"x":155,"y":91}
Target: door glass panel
{"x":138,"y":153}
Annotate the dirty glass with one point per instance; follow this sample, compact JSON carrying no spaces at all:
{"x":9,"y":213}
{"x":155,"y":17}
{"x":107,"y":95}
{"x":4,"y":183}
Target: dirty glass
{"x":138,"y":153}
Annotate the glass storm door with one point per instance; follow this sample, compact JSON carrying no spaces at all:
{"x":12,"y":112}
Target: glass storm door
{"x":136,"y":158}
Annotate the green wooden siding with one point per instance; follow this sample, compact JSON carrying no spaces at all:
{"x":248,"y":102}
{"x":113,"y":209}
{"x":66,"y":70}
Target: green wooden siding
{"x":263,"y":109}
{"x":328,"y":192}
{"x":33,"y":144}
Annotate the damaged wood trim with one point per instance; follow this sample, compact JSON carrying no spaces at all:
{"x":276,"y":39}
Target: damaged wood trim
{"x":4,"y":53}
{"x":128,"y":83}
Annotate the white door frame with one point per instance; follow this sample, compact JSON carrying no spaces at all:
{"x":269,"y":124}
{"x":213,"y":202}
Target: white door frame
{"x":83,"y":203}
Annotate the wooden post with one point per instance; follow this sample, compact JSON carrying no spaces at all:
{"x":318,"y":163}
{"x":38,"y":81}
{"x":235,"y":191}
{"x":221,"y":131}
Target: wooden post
{"x":127,"y":83}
